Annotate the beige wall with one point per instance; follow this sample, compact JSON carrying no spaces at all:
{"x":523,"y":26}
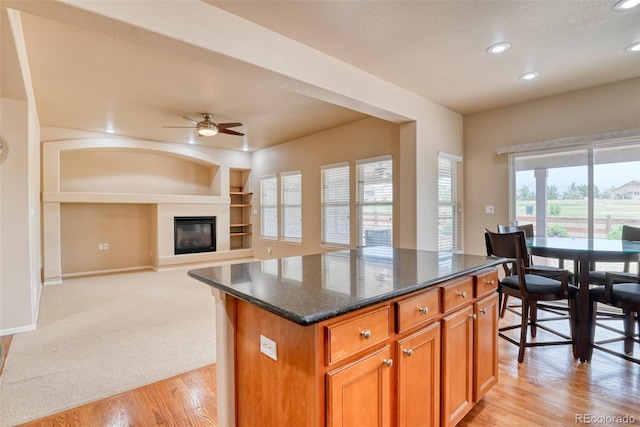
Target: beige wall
{"x":590,"y":111}
{"x":125,"y":227}
{"x":126,"y":171}
{"x":360,"y":140}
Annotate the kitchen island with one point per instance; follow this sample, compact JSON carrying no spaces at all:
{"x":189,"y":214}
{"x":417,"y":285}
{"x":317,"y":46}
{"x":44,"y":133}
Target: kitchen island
{"x":371,"y":336}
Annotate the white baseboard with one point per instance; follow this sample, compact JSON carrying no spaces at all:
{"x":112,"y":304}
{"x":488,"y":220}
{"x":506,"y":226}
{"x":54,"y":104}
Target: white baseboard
{"x":11,"y":331}
{"x":115,"y":270}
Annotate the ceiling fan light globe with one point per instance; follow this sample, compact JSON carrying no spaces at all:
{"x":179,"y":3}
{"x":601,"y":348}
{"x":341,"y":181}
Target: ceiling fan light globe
{"x":208,"y":130}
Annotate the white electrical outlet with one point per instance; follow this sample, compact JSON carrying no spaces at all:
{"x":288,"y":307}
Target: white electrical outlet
{"x":269,"y":347}
{"x":100,"y":246}
{"x":106,"y":246}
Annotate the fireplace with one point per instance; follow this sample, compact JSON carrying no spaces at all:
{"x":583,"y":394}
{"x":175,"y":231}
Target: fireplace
{"x":194,"y":234}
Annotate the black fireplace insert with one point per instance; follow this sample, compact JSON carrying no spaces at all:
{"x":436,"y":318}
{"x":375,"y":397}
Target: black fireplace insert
{"x":194,"y":234}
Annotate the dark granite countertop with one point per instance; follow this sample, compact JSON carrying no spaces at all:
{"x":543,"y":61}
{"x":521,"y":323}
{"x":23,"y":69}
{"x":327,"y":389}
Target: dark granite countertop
{"x":312,"y":288}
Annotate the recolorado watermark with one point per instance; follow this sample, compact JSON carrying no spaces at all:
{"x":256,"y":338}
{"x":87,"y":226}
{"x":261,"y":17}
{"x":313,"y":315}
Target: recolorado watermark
{"x":605,"y":419}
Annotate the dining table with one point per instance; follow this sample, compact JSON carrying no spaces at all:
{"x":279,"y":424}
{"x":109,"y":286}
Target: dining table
{"x":584,"y":252}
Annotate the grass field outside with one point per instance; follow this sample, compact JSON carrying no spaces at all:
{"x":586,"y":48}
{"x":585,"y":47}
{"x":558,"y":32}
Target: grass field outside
{"x":571,"y":215}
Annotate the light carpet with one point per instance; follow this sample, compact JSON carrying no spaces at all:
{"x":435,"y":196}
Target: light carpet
{"x":99,"y":336}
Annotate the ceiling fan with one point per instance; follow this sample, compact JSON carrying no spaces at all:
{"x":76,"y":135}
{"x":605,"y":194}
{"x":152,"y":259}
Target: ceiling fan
{"x":208,"y":127}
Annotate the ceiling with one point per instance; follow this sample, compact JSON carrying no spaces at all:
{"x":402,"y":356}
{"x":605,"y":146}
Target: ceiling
{"x":89,"y":74}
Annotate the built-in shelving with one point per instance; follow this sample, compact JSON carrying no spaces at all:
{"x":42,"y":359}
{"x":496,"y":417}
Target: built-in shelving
{"x":240,"y":227}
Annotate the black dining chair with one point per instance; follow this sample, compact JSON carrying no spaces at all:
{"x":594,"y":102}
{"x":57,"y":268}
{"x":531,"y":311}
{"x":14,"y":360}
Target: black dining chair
{"x":543,"y":270}
{"x":598,"y":277}
{"x":621,"y":291}
{"x":523,"y":282}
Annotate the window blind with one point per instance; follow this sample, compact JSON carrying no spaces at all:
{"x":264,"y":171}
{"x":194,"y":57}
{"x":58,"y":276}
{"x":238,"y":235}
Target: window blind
{"x":292,"y":206}
{"x":449,"y":203}
{"x":335,"y":204}
{"x":269,"y":207}
{"x":375,"y":201}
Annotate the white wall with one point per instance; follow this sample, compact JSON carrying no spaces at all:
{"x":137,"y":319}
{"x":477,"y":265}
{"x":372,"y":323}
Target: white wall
{"x":17,"y":311}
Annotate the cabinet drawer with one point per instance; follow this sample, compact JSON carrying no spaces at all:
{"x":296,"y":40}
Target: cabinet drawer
{"x":359,"y":333}
{"x":417,"y":310}
{"x":457,"y":293}
{"x":486,"y":282}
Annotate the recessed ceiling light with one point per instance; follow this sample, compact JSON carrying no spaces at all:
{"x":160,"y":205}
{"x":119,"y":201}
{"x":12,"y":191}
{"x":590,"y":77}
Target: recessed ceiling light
{"x":530,"y":76}
{"x":633,"y":47}
{"x":110,"y":130}
{"x":191,"y":141}
{"x":626,"y":4}
{"x":500,"y":47}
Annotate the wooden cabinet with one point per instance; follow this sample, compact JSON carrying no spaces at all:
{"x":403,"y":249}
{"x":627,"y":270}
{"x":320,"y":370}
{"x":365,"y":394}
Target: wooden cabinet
{"x":485,"y":338}
{"x":421,"y":359}
{"x":418,"y":393}
{"x":469,"y":346}
{"x":359,"y":394}
{"x":240,"y":227}
{"x":457,"y":365}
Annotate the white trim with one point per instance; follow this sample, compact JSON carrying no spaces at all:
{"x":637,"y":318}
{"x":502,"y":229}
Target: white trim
{"x":18,"y":330}
{"x":374,"y":159}
{"x":334,"y":165}
{"x":452,"y":157}
{"x":570,"y":141}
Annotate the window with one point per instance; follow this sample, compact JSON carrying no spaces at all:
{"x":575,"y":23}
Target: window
{"x":578,"y":191}
{"x":335,"y":205}
{"x":375,"y":201}
{"x":291,"y":206}
{"x":449,"y":203}
{"x":269,"y":207}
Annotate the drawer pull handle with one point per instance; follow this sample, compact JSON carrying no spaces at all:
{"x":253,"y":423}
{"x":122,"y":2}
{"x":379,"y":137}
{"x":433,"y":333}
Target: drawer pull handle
{"x":463,"y":294}
{"x":423,"y":310}
{"x":408,"y":352}
{"x":365,"y":334}
{"x":490,"y":282}
{"x":483,"y":311}
{"x":474,"y":316}
{"x":388,"y":362}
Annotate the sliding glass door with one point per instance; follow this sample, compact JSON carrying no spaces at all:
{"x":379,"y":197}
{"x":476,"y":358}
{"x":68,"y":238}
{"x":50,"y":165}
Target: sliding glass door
{"x":586,"y":191}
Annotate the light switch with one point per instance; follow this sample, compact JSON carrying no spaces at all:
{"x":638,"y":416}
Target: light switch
{"x":488,"y":209}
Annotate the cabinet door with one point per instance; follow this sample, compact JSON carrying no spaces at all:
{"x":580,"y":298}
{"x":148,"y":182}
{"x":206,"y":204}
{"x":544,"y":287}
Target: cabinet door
{"x":457,"y":365}
{"x":486,"y":345}
{"x":418,"y":396}
{"x":359,"y":394}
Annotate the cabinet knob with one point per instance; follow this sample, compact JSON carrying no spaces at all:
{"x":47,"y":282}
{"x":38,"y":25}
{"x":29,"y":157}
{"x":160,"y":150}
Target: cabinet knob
{"x":408,"y":352}
{"x":423,"y":310}
{"x":388,"y":362}
{"x":474,"y":316}
{"x":365,"y":334}
{"x":490,"y":282}
{"x":463,"y":294}
{"x":483,"y":311}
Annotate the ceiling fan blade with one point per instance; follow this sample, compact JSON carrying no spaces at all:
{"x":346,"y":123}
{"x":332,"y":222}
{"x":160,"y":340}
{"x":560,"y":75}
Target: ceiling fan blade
{"x":229,"y":131}
{"x":195,"y":122}
{"x":228,"y":125}
{"x":179,"y":127}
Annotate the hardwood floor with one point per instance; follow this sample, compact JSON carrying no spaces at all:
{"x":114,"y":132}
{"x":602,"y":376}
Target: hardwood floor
{"x":549,"y":389}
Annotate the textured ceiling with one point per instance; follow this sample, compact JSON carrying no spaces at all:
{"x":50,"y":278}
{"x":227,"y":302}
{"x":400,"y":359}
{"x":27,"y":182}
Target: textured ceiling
{"x":90,"y":72}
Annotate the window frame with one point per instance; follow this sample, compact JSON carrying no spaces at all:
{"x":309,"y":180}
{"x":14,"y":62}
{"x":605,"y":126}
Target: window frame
{"x":325,"y":205}
{"x":264,"y":206}
{"x":456,"y":198}
{"x":361,"y":204}
{"x":286,"y":207}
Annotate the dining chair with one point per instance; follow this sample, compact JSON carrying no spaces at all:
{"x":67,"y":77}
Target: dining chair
{"x":623,"y":292}
{"x":523,"y":282}
{"x":543,"y":270}
{"x":598,"y":277}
